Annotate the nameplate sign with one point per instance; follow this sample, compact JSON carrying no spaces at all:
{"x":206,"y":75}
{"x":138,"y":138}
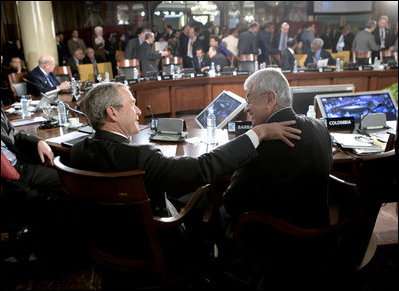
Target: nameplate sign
{"x":340,"y":122}
{"x":167,"y":77}
{"x":133,"y":81}
{"x":242,"y":73}
{"x":227,"y":73}
{"x":200,"y":75}
{"x":239,"y":126}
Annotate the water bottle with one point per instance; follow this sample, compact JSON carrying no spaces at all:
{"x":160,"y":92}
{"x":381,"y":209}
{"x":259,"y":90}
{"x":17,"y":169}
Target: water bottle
{"x":172,"y":71}
{"x":135,"y":74}
{"x":311,"y":113}
{"x":295,"y":69}
{"x":106,"y":78}
{"x":376,"y":64}
{"x":24,"y":106}
{"x":73,"y":86}
{"x":212,"y":72}
{"x":62,"y":116}
{"x":256,"y":66}
{"x":338,"y":65}
{"x":211,"y":127}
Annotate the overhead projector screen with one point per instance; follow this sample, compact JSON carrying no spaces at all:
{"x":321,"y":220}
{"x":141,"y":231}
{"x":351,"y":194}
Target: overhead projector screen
{"x":342,"y":6}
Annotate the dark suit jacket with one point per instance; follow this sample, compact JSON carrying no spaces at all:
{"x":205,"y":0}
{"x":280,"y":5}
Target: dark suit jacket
{"x":265,"y":43}
{"x":132,"y":48}
{"x":323,"y":55}
{"x":111,"y":152}
{"x":37,"y":77}
{"x":86,"y":60}
{"x":220,"y":59}
{"x":290,"y":183}
{"x":348,"y":39}
{"x":147,"y":58}
{"x":287,"y":60}
{"x":204,"y":63}
{"x":247,"y":43}
{"x":74,"y":69}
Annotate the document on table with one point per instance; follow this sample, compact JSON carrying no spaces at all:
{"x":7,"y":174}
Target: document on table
{"x":66,"y":137}
{"x":352,"y":141}
{"x":20,"y":122}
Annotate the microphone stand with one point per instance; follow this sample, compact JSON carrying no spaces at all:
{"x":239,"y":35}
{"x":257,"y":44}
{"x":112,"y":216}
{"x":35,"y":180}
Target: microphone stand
{"x":154,"y":122}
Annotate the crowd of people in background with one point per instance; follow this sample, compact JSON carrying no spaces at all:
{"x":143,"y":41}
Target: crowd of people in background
{"x":200,"y":45}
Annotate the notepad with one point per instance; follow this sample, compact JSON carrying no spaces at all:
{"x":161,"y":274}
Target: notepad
{"x":352,"y":141}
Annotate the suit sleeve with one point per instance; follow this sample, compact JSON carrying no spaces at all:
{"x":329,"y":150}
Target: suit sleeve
{"x":372,"y":44}
{"x":129,"y":50}
{"x":188,"y":173}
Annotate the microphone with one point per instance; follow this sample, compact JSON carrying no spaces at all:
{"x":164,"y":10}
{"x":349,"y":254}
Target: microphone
{"x":360,"y":129}
{"x":88,"y":128}
{"x":153,"y":120}
{"x":30,"y":82}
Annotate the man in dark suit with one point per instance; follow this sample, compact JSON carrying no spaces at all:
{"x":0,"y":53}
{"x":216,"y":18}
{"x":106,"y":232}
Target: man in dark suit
{"x":201,"y":61}
{"x":217,"y":57}
{"x":27,"y":154}
{"x":265,"y":43}
{"x":343,"y":40}
{"x":247,"y":43}
{"x":44,"y":79}
{"x":74,"y":61}
{"x":291,"y":184}
{"x":110,"y":149}
{"x":147,"y":57}
{"x":364,"y":40}
{"x":383,"y":36}
{"x":317,"y":53}
{"x":288,"y":55}
{"x":132,"y":47}
{"x":91,"y":58}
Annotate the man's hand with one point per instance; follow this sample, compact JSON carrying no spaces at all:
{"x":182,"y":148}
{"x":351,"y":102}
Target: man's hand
{"x":64,"y":85}
{"x":278,"y":131}
{"x":44,"y":151}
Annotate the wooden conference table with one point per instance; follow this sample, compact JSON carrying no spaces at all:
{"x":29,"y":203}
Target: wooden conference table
{"x":345,"y":161}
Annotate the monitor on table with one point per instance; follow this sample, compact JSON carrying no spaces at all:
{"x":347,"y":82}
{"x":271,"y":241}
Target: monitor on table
{"x":357,"y":104}
{"x":225,"y":107}
{"x":303,"y":96}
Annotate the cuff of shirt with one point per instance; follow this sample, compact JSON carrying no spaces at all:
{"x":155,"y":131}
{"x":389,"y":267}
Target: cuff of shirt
{"x":253,"y":137}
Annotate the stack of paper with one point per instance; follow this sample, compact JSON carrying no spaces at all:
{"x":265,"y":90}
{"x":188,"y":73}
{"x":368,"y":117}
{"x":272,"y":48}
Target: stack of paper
{"x":360,"y":143}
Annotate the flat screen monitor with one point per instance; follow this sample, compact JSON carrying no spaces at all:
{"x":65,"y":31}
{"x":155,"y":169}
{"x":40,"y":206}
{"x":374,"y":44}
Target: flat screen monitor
{"x":357,"y":104}
{"x":127,"y":72}
{"x":303,"y":96}
{"x":225,"y":107}
{"x":247,"y":66}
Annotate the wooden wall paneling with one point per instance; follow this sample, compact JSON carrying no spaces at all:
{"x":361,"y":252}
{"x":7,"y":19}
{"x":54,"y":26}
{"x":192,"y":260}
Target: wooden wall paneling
{"x":314,"y":82}
{"x":361,"y":83}
{"x":158,"y":98}
{"x":185,"y":98}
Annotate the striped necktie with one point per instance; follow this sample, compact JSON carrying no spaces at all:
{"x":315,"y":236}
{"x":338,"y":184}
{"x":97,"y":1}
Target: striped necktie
{"x":49,"y":80}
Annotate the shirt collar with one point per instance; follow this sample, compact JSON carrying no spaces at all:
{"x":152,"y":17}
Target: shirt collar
{"x":43,"y":71}
{"x":291,"y":50}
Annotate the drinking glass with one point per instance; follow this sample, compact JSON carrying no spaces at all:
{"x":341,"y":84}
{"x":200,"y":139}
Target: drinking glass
{"x":46,"y":108}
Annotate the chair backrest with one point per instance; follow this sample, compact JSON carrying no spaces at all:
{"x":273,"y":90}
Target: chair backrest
{"x":120,"y":219}
{"x":388,"y":55}
{"x":290,"y":248}
{"x":128,"y":64}
{"x":361,"y":55}
{"x":301,"y":58}
{"x":86,"y":72}
{"x":17,"y":84}
{"x":172,"y":60}
{"x":105,"y":67}
{"x":248,"y":57}
{"x":63,"y":73}
{"x":342,"y":55}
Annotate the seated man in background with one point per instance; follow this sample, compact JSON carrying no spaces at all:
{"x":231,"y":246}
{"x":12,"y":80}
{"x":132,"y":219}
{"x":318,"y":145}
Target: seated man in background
{"x":288,"y":183}
{"x":201,"y":61}
{"x":113,"y":114}
{"x":15,"y":66}
{"x":43,"y":79}
{"x":217,"y":58}
{"x":91,"y":58}
{"x":317,"y":53}
{"x":74,"y":61}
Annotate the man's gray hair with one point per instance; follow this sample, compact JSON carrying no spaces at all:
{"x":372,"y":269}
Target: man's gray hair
{"x":99,"y":98}
{"x":270,"y":79}
{"x":319,"y":42}
{"x":45,"y":60}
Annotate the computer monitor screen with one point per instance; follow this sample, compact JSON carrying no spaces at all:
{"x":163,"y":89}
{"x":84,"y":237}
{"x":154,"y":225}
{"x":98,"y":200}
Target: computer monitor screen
{"x":363,"y":61}
{"x":246,"y":66}
{"x":127,"y":72}
{"x":225,"y":107}
{"x":303,"y":96}
{"x":357,"y":104}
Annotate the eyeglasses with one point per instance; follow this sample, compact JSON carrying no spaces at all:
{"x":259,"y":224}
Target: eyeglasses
{"x":250,"y":97}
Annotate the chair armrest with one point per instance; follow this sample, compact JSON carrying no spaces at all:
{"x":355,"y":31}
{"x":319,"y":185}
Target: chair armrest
{"x":166,"y":222}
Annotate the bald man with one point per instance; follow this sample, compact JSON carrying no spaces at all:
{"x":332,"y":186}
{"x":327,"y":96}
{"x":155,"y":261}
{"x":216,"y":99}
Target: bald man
{"x":44,"y":79}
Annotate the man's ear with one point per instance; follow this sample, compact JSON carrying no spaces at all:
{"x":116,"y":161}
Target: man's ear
{"x":112,"y":113}
{"x":271,"y":98}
